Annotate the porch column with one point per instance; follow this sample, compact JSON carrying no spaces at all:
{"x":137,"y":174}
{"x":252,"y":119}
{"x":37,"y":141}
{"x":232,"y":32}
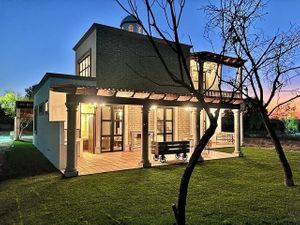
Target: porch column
{"x":71,"y":105}
{"x":198,"y":120}
{"x":145,"y":138}
{"x":242,"y":129}
{"x":16,"y":127}
{"x":237,"y":133}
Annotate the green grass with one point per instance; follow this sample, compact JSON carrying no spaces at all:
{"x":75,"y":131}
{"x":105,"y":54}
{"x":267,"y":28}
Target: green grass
{"x":23,"y":160}
{"x":245,"y":190}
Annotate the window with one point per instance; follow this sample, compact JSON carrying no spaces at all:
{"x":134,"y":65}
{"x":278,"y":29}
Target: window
{"x":112,"y":117}
{"x":42,"y":108}
{"x":84,"y":66}
{"x":46,"y":106}
{"x":164,"y":124}
{"x":130,"y":28}
{"x":140,"y":30}
{"x":195,"y":78}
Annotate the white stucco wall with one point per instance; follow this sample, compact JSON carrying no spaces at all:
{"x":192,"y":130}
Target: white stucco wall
{"x":49,"y":138}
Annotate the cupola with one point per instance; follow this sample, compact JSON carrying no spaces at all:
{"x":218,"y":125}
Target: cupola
{"x":129,"y":23}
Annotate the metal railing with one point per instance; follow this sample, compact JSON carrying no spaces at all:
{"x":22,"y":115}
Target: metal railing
{"x":225,"y":94}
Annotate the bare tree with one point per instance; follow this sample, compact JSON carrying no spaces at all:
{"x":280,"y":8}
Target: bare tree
{"x":24,"y":123}
{"x":271,"y":61}
{"x":172,"y":12}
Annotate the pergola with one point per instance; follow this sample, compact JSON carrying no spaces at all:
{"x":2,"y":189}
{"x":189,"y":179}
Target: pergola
{"x":91,"y":94}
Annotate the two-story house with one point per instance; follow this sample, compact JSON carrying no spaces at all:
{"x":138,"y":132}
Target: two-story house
{"x":121,"y":99}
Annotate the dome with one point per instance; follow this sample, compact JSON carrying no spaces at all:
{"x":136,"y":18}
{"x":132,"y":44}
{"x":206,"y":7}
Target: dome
{"x":128,"y":19}
{"x":130,"y":23}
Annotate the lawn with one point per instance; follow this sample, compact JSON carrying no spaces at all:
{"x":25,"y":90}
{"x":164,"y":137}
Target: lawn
{"x":245,"y":190}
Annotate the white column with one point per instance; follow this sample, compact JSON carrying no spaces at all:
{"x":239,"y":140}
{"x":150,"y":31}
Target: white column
{"x":175,"y":128}
{"x":237,"y":133}
{"x":126,"y":146}
{"x":16,"y":128}
{"x":192,"y":130}
{"x":145,"y":137}
{"x":71,"y":105}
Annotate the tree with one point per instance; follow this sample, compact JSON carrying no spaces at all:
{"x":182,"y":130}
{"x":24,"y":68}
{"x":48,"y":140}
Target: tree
{"x":271,"y":61}
{"x":291,"y":124}
{"x":8,"y":105}
{"x":29,"y":92}
{"x":228,"y":121}
{"x":172,"y":12}
{"x":252,"y":119}
{"x":8,"y":102}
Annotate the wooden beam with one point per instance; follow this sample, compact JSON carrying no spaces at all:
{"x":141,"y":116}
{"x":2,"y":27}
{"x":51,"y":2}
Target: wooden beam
{"x":135,"y":101}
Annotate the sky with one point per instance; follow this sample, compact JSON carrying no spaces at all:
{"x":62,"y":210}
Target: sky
{"x":37,"y":36}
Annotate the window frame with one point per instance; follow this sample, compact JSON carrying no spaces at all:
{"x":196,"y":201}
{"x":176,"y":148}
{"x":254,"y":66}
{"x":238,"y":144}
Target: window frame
{"x":87,"y":70}
{"x":164,"y":120}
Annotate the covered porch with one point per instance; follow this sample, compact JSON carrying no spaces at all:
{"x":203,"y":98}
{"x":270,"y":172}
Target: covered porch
{"x":89,"y":163}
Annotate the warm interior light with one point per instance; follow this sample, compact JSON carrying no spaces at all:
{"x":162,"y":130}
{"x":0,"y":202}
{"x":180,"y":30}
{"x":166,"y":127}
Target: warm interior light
{"x":153,"y":107}
{"x":188,"y":108}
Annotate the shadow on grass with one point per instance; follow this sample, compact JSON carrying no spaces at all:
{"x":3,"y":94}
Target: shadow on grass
{"x":24,"y":160}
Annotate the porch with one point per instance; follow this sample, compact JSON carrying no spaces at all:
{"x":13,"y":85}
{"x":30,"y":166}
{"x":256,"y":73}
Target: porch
{"x":170,"y":120}
{"x":89,"y":163}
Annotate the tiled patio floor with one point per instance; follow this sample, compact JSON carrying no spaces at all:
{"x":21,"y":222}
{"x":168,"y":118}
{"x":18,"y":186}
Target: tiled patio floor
{"x":106,"y":162}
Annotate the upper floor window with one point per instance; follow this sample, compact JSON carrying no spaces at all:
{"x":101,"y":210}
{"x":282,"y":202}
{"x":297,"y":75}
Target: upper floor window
{"x":195,"y":78}
{"x":42,"y":108}
{"x":85,"y":66}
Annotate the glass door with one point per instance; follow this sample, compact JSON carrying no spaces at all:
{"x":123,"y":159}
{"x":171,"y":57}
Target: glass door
{"x":112,"y":128}
{"x":87,"y":124}
{"x":164,"y":124}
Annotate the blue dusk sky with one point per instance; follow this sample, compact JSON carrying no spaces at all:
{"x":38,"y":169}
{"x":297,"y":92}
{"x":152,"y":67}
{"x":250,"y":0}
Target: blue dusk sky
{"x":37,"y":36}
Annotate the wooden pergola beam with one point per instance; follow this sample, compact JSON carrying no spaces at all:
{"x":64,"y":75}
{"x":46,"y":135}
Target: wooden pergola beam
{"x":136,"y":101}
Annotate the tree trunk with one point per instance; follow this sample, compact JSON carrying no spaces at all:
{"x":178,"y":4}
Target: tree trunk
{"x":20,"y":134}
{"x":180,"y":209}
{"x":288,"y":175}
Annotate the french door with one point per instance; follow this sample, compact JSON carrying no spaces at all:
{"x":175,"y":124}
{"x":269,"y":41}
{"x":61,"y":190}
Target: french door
{"x":112,"y":128}
{"x":87,"y":125}
{"x":164,"y":124}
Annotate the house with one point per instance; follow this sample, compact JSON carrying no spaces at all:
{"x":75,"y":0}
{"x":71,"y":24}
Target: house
{"x":122,"y":99}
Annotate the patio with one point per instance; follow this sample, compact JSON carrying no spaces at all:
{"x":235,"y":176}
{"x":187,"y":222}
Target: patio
{"x":107,"y":162}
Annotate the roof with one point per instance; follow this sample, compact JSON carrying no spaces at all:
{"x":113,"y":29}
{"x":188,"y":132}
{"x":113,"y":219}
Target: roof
{"x":128,"y":19}
{"x":59,"y":75}
{"x":24,"y":104}
{"x":97,"y":26}
{"x":222,"y":59}
{"x":123,"y":96}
